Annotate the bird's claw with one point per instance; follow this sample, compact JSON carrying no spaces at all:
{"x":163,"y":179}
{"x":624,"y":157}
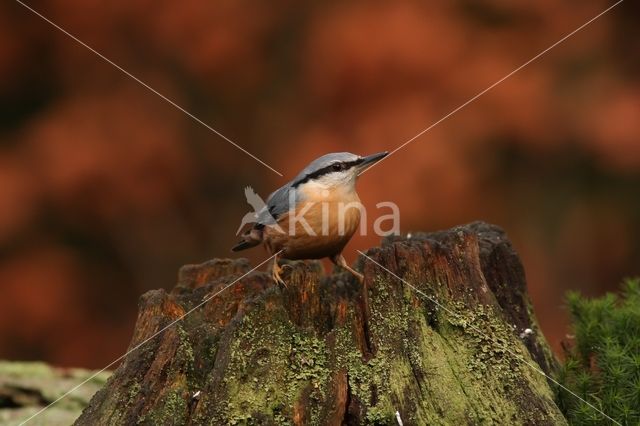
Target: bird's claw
{"x":275,"y":275}
{"x":278,"y":280}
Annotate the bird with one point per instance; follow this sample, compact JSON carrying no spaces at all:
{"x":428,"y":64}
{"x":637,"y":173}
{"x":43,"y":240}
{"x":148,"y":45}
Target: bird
{"x":314,"y":215}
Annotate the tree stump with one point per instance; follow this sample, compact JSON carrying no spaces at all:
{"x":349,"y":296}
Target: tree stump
{"x":327,"y":350}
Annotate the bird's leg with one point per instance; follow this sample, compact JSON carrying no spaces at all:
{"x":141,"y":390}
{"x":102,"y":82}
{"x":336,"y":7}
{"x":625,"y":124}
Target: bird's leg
{"x":275,"y":272}
{"x":338,"y":259}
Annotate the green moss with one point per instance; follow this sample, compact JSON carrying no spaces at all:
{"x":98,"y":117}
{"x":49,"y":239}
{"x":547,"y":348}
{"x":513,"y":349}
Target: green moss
{"x":308,"y":362}
{"x":603,"y":366}
{"x":368,"y":380}
{"x":25,"y":369}
{"x":271,"y":362}
{"x":133,"y":392}
{"x":469,"y":369}
{"x":184,"y":357}
{"x":458,"y":365}
{"x":172,"y":410}
{"x":490,"y":342}
{"x":52,"y":383}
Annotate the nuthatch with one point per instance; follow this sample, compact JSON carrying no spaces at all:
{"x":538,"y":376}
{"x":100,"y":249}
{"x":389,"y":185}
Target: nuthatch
{"x":315,"y":215}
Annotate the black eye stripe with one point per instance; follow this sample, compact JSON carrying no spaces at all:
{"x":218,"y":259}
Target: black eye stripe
{"x":328,"y":169}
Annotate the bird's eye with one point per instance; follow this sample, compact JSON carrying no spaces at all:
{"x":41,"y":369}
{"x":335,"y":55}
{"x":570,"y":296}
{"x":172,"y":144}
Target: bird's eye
{"x":337,"y":167}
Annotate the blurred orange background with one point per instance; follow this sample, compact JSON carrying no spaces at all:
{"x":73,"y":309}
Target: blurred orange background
{"x":107,"y":189}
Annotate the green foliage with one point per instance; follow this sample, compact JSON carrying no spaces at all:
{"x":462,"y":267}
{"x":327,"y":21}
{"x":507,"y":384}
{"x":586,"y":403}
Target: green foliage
{"x":603,"y":366}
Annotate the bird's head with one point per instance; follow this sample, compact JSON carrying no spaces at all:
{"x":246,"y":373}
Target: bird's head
{"x":336,"y":170}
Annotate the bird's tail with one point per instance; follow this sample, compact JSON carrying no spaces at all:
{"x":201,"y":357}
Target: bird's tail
{"x":250,"y":239}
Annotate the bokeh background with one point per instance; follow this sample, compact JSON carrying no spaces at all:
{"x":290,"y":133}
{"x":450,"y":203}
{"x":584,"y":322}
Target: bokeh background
{"x":107,"y":190}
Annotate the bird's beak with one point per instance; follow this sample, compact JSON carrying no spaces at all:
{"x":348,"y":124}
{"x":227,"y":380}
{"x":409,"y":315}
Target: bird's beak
{"x":369,"y":160}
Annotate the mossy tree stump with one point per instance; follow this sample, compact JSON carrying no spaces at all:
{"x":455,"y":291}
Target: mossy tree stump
{"x":329,"y":351}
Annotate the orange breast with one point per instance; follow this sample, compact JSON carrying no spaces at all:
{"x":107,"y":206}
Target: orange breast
{"x":318,"y":228}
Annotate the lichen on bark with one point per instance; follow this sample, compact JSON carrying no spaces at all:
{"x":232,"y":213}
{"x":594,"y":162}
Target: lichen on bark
{"x":327,"y":350}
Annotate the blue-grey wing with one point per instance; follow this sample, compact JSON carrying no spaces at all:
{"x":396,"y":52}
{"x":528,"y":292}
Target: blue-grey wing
{"x":277,"y":205}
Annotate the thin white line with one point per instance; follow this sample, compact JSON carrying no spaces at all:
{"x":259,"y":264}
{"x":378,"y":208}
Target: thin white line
{"x":495,"y":84}
{"x":147,"y":86}
{"x":476,"y":329}
{"x":171,"y":324}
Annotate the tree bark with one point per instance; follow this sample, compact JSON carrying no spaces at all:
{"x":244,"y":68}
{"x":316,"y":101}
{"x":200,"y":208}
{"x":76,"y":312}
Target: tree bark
{"x":462,"y":349}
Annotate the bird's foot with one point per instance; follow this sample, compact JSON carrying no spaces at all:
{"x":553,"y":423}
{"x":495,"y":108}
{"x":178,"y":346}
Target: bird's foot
{"x":358,"y":275}
{"x":340,"y":261}
{"x":275,"y":274}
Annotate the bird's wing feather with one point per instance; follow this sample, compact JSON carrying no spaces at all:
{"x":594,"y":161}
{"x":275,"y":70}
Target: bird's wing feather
{"x":277,"y":204}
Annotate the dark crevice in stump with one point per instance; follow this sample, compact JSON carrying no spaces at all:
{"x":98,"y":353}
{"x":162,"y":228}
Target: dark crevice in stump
{"x":325,"y":351}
